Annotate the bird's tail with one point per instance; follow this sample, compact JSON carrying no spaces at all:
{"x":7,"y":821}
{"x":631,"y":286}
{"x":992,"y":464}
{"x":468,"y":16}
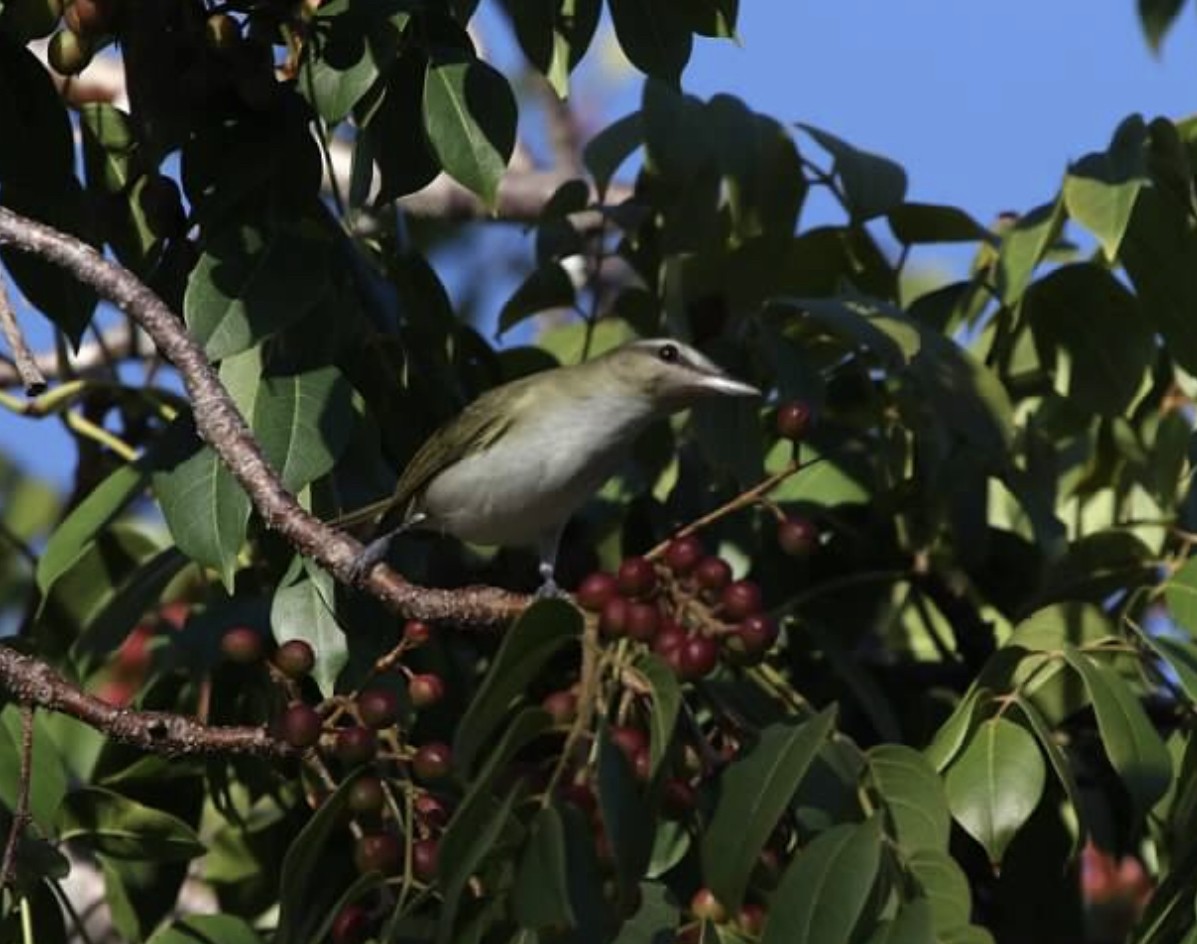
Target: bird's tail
{"x":367,"y":514}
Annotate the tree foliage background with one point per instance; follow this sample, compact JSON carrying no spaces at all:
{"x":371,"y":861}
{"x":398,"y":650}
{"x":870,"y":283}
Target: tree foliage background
{"x":977,"y":721}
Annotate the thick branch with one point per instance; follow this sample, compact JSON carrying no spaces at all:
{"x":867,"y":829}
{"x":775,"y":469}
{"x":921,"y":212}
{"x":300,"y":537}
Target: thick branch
{"x":223,"y":428}
{"x":32,"y":682}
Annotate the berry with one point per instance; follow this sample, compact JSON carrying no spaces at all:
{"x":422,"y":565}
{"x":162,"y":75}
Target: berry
{"x":242,"y":645}
{"x":643,"y":620}
{"x":678,"y":797}
{"x":562,"y":706}
{"x":794,"y":420}
{"x":68,"y":53}
{"x":670,"y":638}
{"x":366,"y":795}
{"x":613,"y":623}
{"x":133,"y":657}
{"x":433,"y":761}
{"x":642,"y":765}
{"x":356,"y":745}
{"x":300,"y":725}
{"x":378,"y":707}
{"x":740,"y":600}
{"x":424,"y":857}
{"x":706,"y":907}
{"x":683,"y":554}
{"x":698,"y":656}
{"x":596,"y":590}
{"x":751,"y":919}
{"x":378,"y":852}
{"x":581,"y":796}
{"x":89,"y":18}
{"x":295,"y":659}
{"x":713,"y":573}
{"x":416,"y":633}
{"x":425,"y":690}
{"x":629,"y":740}
{"x":637,"y":577}
{"x":352,"y":925}
{"x":797,"y":537}
{"x":757,"y":633}
{"x":430,"y":810}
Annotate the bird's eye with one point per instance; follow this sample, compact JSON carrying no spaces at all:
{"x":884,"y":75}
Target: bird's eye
{"x":668,"y":353}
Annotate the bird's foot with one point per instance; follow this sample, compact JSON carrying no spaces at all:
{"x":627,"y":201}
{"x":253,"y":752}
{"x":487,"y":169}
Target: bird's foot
{"x":550,"y":591}
{"x":374,"y":552}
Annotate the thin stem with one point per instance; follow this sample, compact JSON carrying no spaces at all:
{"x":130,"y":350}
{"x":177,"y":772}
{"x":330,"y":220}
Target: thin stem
{"x":20,"y":815}
{"x":23,"y":357}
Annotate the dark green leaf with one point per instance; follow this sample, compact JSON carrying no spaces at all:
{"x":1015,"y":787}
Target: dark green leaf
{"x":48,"y":782}
{"x":303,"y":608}
{"x":1059,"y":762}
{"x":873,"y":185}
{"x":304,"y":421}
{"x":884,"y":332}
{"x":1180,"y":593}
{"x":653,"y":35}
{"x":1180,"y":657}
{"x":995,"y":785}
{"x":945,"y":886}
{"x":1156,"y":17}
{"x":540,"y":631}
{"x":1100,"y":190}
{"x":753,"y":793}
{"x":125,"y":829}
{"x":199,"y":929}
{"x":825,"y":889}
{"x":541,"y":895}
{"x":716,"y":18}
{"x":1134,"y":747}
{"x":666,"y":696}
{"x":914,"y":924}
{"x":914,"y":796}
{"x":1024,"y":246}
{"x":915,"y":223}
{"x":655,"y":921}
{"x":607,"y":150}
{"x":470,"y":117}
{"x":546,"y":288}
{"x":627,"y":819}
{"x":393,"y":135}
{"x":555,"y":35}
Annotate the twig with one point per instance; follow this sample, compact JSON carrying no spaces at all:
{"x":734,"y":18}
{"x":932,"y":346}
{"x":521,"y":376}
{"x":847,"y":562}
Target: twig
{"x":119,"y":342}
{"x":20,"y":815}
{"x":23,"y":359}
{"x":30,"y":682}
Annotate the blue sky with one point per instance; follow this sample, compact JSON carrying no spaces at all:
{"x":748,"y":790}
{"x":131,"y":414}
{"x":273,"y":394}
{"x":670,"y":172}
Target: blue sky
{"x":984,"y":104}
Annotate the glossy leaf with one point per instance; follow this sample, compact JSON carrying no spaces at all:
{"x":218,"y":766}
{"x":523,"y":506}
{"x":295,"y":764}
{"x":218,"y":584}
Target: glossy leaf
{"x":955,"y":731}
{"x":607,"y":150}
{"x":916,"y":223}
{"x":653,"y":35}
{"x":555,"y":36}
{"x":881,"y":330}
{"x":873,"y":185}
{"x":1100,"y":190}
{"x":914,"y":796}
{"x":666,"y":700}
{"x":826,"y":887}
{"x":995,"y":784}
{"x":753,"y":793}
{"x":1180,"y":657}
{"x":470,"y":118}
{"x":546,"y":288}
{"x":1134,"y":747}
{"x":1180,"y":593}
{"x":227,"y":929}
{"x":914,"y":924}
{"x":125,"y":829}
{"x":1059,"y":763}
{"x":541,"y":631}
{"x":946,"y":888}
{"x":1156,"y":18}
{"x":541,"y":895}
{"x":304,"y":608}
{"x":626,"y":817}
{"x":1024,"y":245}
{"x":48,"y":781}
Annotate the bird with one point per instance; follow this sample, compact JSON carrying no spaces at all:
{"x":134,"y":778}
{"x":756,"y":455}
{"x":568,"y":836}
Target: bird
{"x":517,"y":462}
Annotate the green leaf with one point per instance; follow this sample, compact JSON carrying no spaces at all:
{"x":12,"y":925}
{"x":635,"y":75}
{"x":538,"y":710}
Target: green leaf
{"x":715,"y":18}
{"x":48,"y":782}
{"x":753,"y":793}
{"x":655,"y":921}
{"x":303,"y":607}
{"x":197,"y":929}
{"x":1156,"y":18}
{"x":1180,"y":593}
{"x":653,"y":35}
{"x":555,"y":35}
{"x":541,"y":895}
{"x":1100,"y":190}
{"x":1180,"y":657}
{"x":995,"y":785}
{"x":109,"y":147}
{"x":470,"y":116}
{"x":75,"y":534}
{"x":1133,"y":745}
{"x":666,"y":697}
{"x":946,"y":888}
{"x":627,"y":819}
{"x":251,"y":282}
{"x":1024,"y":246}
{"x":913,"y":794}
{"x":125,"y":829}
{"x":392,"y":134}
{"x":863,"y":323}
{"x":916,"y":223}
{"x":304,"y":422}
{"x":823,"y":893}
{"x":541,"y":631}
{"x":914,"y":924}
{"x":1060,"y":764}
{"x":873,"y":185}
{"x":545,"y":288}
{"x":1051,"y":627}
{"x":607,"y":150}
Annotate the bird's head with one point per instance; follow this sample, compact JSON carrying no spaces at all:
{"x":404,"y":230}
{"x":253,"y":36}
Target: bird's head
{"x":669,"y":373}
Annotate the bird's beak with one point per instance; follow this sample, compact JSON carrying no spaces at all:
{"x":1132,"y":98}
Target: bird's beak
{"x":726,"y":386}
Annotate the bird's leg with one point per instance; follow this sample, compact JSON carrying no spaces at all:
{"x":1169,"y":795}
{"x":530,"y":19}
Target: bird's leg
{"x":547,"y":547}
{"x":377,"y":549}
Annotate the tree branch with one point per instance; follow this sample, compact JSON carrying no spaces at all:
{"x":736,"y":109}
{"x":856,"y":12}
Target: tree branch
{"x":24,"y":363}
{"x":221,"y":425}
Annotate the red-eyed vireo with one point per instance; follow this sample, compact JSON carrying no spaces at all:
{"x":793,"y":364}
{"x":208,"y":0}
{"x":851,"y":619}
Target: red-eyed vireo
{"x":513,"y":466}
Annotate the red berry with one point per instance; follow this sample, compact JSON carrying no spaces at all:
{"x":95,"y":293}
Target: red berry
{"x":433,"y":761}
{"x":643,"y":620}
{"x":300,"y":725}
{"x":642,"y":764}
{"x":794,"y":420}
{"x":613,"y":623}
{"x":740,"y":600}
{"x":706,"y":907}
{"x":757,"y":633}
{"x":562,"y":706}
{"x":366,"y":795}
{"x":416,"y":632}
{"x":596,"y":590}
{"x":242,"y":645}
{"x":628,"y":739}
{"x":430,"y":810}
{"x":356,"y":745}
{"x":637,"y":577}
{"x":798,"y":537}
{"x":295,"y":659}
{"x":670,"y":638}
{"x":424,"y":857}
{"x":683,"y":554}
{"x":378,"y":707}
{"x":751,"y":919}
{"x":581,"y":796}
{"x":352,"y":925}
{"x":713,"y":573}
{"x":378,"y":852}
{"x":425,"y":690}
{"x":134,"y":656}
{"x":89,"y":18}
{"x":698,"y":656}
